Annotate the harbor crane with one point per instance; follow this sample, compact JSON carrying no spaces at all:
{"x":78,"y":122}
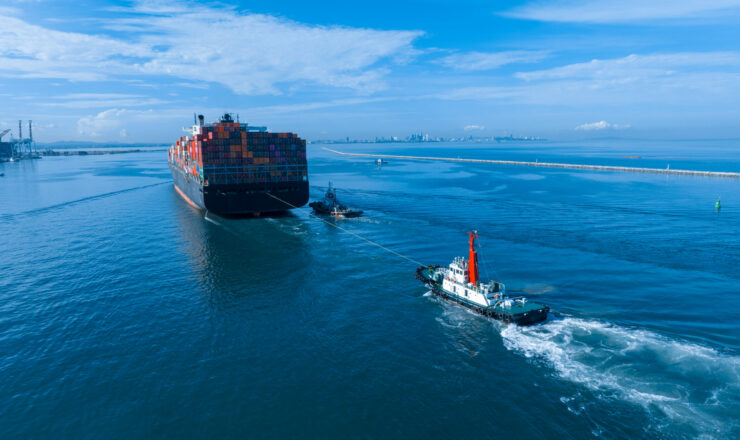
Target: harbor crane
{"x":20,"y":147}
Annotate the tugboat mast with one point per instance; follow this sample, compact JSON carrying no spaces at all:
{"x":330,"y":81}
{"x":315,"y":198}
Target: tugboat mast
{"x":473,"y":259}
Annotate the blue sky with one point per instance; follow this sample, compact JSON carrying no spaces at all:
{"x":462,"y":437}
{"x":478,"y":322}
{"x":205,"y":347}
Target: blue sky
{"x":136,"y":71}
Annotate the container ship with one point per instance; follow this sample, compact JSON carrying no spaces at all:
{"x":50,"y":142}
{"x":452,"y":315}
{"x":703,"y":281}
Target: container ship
{"x":229,"y":167}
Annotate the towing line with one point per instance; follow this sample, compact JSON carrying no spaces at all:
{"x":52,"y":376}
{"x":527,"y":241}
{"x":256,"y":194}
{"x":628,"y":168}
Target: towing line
{"x":348,"y":232}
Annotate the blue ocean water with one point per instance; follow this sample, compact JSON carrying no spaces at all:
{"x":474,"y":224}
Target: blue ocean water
{"x":126,"y":313}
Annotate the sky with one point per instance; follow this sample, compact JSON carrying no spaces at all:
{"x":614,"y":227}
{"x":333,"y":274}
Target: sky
{"x":136,"y":71}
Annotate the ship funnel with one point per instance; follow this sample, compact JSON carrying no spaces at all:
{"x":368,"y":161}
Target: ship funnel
{"x":473,"y":259}
{"x":201,"y":120}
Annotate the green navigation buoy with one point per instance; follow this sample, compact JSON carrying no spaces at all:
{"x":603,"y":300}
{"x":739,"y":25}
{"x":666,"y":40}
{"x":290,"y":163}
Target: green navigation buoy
{"x":718,"y":205}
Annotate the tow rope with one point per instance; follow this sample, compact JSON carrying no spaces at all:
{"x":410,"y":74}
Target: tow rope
{"x":349,"y":232}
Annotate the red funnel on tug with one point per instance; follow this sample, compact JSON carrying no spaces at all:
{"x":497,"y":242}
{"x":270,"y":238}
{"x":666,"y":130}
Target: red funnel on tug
{"x":473,"y":259}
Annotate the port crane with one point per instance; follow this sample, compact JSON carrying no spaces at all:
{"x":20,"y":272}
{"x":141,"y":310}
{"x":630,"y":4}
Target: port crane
{"x":20,"y":147}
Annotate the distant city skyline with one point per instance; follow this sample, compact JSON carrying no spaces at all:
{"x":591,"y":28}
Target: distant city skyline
{"x":135,"y":71}
{"x":426,"y":137}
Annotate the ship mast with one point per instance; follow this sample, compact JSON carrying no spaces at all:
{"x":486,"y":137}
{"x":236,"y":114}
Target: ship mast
{"x":473,"y":259}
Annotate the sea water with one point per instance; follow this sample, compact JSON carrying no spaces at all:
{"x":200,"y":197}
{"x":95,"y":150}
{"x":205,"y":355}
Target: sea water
{"x":126,"y":313}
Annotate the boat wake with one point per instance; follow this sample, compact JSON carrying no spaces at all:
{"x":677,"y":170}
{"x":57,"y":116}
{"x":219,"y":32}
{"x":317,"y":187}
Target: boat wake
{"x":678,"y":383}
{"x":211,"y":220}
{"x":57,"y":206}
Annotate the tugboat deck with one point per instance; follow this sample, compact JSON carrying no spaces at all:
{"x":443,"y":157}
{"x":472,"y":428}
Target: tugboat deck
{"x":517,"y":307}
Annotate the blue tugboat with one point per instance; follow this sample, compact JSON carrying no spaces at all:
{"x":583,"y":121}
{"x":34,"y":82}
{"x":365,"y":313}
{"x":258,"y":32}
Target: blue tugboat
{"x":460,"y":283}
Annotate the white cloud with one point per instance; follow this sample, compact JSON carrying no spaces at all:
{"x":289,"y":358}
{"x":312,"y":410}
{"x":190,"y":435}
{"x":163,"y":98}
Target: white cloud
{"x":601,"y":125}
{"x":608,"y":11}
{"x":478,"y":93}
{"x":474,"y":127}
{"x":139,"y":125}
{"x":309,"y":106}
{"x":6,"y":11}
{"x":30,"y":51}
{"x":264,"y":52}
{"x":710,"y":79}
{"x":491,"y":60}
{"x":633,"y":66}
{"x":106,"y":121}
{"x":95,"y":96}
{"x":201,"y":86}
{"x":113,"y":122}
{"x":249,"y":53}
{"x":101,"y":100}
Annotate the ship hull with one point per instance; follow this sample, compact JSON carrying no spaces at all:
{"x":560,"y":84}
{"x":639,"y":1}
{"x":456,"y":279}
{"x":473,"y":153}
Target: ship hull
{"x":529,"y":317}
{"x":240,"y":199}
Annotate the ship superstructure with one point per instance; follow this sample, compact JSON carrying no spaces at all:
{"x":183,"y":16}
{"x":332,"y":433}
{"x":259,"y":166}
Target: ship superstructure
{"x":229,"y":167}
{"x":460,"y":282}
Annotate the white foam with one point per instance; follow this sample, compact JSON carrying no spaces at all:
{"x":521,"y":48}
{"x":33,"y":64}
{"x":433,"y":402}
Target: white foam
{"x":211,"y":220}
{"x":453,"y":315}
{"x":538,"y":289}
{"x":679,"y":381}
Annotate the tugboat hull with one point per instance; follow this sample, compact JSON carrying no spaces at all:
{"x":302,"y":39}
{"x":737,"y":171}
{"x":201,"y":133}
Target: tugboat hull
{"x":532,"y":315}
{"x":331,"y":206}
{"x":322,"y":209}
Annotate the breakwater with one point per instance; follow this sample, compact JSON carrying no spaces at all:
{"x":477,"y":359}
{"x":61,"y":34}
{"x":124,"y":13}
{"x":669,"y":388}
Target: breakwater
{"x":724,"y":174}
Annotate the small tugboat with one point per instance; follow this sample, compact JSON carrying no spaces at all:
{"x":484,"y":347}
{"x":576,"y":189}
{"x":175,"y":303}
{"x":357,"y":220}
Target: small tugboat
{"x":329,"y":205}
{"x":460,"y":283}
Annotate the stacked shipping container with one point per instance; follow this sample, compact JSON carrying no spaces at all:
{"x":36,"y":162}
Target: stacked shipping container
{"x":227,"y":153}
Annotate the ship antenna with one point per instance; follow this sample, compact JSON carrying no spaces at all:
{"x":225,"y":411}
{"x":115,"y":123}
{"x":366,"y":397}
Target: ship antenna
{"x":486,"y":272}
{"x":486,"y":268}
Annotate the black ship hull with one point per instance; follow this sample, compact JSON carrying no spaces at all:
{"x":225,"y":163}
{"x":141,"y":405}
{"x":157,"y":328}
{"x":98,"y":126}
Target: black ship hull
{"x":240,"y":199}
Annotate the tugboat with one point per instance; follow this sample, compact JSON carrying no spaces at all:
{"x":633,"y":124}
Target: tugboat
{"x":329,"y":205}
{"x":461,"y":283}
